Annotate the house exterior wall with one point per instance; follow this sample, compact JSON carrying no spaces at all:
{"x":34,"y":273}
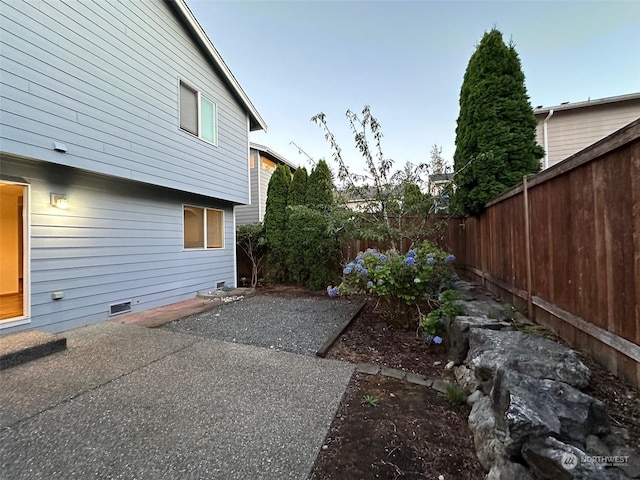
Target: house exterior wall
{"x":572,"y":130}
{"x":118,"y":241}
{"x":103,"y":78}
{"x":251,"y":213}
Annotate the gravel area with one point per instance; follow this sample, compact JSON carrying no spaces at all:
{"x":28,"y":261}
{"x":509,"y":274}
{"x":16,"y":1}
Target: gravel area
{"x":297,"y":325}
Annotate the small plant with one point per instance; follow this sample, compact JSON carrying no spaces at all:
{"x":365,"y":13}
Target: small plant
{"x":370,"y":400}
{"x":432,"y":324}
{"x":455,"y":395}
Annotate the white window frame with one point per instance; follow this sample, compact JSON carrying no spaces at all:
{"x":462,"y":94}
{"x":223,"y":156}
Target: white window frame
{"x":204,"y":219}
{"x":199,"y":96}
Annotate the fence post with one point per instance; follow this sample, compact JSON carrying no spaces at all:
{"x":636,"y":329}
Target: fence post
{"x":527,"y":232}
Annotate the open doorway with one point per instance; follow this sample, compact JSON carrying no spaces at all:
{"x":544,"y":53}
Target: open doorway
{"x":13,"y":236}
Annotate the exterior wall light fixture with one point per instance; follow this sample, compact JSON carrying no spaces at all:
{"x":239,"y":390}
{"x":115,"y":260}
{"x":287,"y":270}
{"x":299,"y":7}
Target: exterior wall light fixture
{"x":59,"y":200}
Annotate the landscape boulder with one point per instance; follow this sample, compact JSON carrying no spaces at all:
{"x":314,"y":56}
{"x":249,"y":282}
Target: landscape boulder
{"x":484,"y":308}
{"x":458,"y":334}
{"x":565,"y":412}
{"x":551,"y":459}
{"x":482,"y":422}
{"x":524,"y":353}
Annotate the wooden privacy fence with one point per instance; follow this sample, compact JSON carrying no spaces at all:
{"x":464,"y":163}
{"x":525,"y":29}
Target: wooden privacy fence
{"x":566,"y":244}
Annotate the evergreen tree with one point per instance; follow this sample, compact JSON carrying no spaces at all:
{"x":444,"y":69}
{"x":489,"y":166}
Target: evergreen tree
{"x":495,"y":135}
{"x":295,"y":230}
{"x":275,"y":222}
{"x":320,"y":186}
{"x":298,"y":187}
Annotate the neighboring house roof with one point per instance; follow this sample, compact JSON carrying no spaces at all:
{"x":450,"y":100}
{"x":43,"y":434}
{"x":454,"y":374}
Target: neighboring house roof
{"x":589,"y":103}
{"x":275,"y":155}
{"x":256,"y":122}
{"x":440,"y":177}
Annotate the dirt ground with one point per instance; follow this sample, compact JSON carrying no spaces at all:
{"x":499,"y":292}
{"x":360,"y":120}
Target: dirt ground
{"x":412,"y":432}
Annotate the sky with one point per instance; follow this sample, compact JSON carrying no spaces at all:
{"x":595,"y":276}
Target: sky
{"x":406,"y":60}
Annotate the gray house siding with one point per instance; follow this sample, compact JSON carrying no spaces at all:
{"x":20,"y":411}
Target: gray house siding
{"x":251,"y":213}
{"x":118,"y":241}
{"x":103,"y":78}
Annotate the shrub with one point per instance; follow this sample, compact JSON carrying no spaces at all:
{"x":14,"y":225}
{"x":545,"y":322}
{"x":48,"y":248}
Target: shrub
{"x":251,"y":239}
{"x":399,"y":282}
{"x":314,"y":233}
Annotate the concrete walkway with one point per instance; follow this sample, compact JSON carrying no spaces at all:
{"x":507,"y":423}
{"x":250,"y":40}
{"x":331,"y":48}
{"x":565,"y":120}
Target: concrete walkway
{"x":128,"y":402}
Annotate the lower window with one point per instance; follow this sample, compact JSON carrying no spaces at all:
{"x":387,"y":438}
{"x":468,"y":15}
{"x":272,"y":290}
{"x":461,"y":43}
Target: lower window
{"x":203,"y":227}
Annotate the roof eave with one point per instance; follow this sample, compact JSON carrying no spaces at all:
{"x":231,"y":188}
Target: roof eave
{"x":256,"y":121}
{"x":276,"y":155}
{"x":588,"y":103}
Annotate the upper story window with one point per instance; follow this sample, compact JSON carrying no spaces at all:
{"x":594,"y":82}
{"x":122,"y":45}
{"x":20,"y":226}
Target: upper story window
{"x":198,"y":114}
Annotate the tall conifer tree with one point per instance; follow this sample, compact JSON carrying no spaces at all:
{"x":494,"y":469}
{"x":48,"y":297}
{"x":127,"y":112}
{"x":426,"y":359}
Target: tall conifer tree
{"x":275,"y":221}
{"x":495,"y":135}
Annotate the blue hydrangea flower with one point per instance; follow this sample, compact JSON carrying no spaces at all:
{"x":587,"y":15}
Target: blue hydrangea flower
{"x":358,"y":267}
{"x":383,"y":258}
{"x":364,"y":271}
{"x":360,"y":261}
{"x":379,"y":267}
{"x":411,"y":253}
{"x":333,"y":291}
{"x":449,"y":259}
{"x":437,"y":340}
{"x":369,"y":284}
{"x":429,"y":338}
{"x":409,"y":261}
{"x":347,"y":270}
{"x":431,"y":261}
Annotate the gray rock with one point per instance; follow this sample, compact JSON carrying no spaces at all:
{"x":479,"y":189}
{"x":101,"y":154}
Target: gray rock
{"x":506,"y":470}
{"x":619,"y":437}
{"x":483,"y":308}
{"x":466,"y":378}
{"x":595,"y":446}
{"x":368,"y":368}
{"x":530,"y":354}
{"x":565,"y":412}
{"x":393,"y":373}
{"x":474,"y":397}
{"x":440,"y":385}
{"x":465,"y":291}
{"x":551,"y":459}
{"x":629,"y":463}
{"x":458,"y":334}
{"x":489,"y":448}
{"x":419,"y":379}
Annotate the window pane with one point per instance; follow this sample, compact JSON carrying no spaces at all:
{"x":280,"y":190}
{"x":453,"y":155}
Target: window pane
{"x":207,"y":120}
{"x":193,"y":227}
{"x":188,"y":109}
{"x":214,"y":229}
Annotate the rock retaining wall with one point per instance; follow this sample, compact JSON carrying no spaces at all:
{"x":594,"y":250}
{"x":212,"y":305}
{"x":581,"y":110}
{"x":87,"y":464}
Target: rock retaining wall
{"x":529,"y":418}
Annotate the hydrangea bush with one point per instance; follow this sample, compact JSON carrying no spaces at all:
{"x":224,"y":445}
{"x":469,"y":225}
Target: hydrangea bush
{"x":400,"y":282}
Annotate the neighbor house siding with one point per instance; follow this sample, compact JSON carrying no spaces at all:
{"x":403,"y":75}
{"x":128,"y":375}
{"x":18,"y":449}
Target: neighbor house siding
{"x":251,"y":213}
{"x":118,"y":241}
{"x":265,"y":177}
{"x":572,"y":130}
{"x":103,"y":78}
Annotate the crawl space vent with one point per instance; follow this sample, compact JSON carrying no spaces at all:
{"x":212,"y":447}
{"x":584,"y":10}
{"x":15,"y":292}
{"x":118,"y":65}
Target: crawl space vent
{"x":119,"y":308}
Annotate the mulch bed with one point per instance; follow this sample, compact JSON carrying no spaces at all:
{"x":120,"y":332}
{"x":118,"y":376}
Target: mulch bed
{"x":412,"y":433}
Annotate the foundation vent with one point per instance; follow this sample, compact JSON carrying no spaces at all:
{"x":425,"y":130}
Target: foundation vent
{"x":119,"y":308}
